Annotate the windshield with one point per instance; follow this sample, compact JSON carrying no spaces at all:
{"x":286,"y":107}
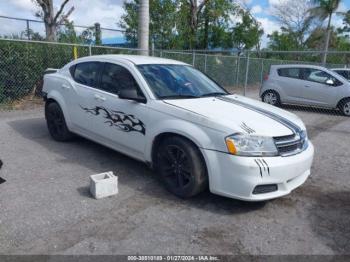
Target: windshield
{"x":179,"y":81}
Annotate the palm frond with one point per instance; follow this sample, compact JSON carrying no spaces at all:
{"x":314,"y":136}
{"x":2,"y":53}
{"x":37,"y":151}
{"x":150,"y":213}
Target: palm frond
{"x":318,"y":12}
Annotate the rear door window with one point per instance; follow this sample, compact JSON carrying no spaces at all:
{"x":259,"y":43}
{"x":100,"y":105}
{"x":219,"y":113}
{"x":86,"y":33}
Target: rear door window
{"x":289,"y":72}
{"x":115,"y":77}
{"x":87,"y":73}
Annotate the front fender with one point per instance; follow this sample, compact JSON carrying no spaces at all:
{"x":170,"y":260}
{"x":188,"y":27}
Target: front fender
{"x":199,"y":135}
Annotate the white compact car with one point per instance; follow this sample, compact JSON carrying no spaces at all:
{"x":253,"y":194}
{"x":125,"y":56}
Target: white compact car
{"x":183,"y":124}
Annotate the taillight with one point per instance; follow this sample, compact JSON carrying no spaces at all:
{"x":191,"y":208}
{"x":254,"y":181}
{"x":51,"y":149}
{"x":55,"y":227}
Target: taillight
{"x":266,"y":77}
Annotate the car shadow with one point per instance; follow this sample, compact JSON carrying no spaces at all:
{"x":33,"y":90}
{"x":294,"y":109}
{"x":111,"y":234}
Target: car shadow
{"x":130,"y":172}
{"x":312,"y":109}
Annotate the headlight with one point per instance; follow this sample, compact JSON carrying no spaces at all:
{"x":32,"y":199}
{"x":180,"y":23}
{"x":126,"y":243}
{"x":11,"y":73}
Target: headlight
{"x":248,"y":145}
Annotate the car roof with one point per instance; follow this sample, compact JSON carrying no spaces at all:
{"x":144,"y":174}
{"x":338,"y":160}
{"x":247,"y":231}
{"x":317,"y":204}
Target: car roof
{"x":343,"y":69}
{"x":300,"y":66}
{"x":135,"y":59}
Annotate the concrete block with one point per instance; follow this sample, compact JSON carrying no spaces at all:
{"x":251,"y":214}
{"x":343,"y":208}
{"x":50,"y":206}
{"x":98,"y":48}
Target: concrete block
{"x":103,"y":185}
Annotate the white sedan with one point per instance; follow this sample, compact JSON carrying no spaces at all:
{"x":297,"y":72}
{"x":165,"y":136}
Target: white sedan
{"x":183,"y":124}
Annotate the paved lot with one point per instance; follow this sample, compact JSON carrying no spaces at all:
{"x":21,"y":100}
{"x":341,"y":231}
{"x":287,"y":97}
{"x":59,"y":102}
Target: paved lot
{"x":45,"y":206}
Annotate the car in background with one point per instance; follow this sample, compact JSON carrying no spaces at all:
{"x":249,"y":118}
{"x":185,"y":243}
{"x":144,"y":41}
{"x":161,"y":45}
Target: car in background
{"x":306,"y":85}
{"x":344,"y":72}
{"x":181,"y":123}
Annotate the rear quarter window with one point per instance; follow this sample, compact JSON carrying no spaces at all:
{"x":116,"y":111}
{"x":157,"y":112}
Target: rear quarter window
{"x":344,"y":73}
{"x":87,"y":73}
{"x":289,"y":72}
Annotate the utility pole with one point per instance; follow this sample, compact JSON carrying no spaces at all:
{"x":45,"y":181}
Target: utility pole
{"x":143,"y":27}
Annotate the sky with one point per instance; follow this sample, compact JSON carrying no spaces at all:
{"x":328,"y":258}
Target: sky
{"x":108,"y":13}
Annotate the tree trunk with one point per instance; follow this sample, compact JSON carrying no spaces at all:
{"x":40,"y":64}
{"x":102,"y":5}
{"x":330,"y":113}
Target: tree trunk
{"x":324,"y":57}
{"x":206,"y":29}
{"x":49,"y":23}
{"x":143,"y":30}
{"x":50,"y":32}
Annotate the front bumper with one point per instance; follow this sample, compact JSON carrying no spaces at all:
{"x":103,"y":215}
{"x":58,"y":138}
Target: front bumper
{"x":236,"y":177}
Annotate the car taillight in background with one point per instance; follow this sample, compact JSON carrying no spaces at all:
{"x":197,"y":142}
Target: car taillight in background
{"x":266,"y":77}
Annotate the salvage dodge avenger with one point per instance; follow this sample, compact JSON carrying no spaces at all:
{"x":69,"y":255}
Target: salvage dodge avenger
{"x":180,"y":122}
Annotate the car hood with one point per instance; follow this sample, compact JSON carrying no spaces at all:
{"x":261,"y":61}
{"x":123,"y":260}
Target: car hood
{"x":241,"y":114}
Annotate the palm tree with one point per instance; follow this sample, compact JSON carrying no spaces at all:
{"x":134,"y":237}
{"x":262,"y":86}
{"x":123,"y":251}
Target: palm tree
{"x":143,"y":27}
{"x":325,"y":9}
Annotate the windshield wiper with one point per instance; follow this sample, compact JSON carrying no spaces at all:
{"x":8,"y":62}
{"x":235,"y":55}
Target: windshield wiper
{"x":214,"y":94}
{"x":178,"y":96}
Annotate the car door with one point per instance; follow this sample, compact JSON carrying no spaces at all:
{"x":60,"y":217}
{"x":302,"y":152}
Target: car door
{"x":119,"y":122}
{"x":291,"y":84}
{"x":316,"y":90}
{"x":85,"y":79}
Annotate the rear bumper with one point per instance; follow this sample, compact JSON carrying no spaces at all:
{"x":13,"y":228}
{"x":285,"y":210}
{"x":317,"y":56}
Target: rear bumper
{"x":237,"y":177}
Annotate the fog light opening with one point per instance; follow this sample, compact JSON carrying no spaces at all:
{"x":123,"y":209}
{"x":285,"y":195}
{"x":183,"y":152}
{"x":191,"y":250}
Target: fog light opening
{"x":263,"y":189}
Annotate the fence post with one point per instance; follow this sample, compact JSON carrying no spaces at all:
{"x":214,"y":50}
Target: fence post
{"x":246,"y":75}
{"x":262,"y":71}
{"x":90,"y":51}
{"x":28,"y":30}
{"x":75,"y":52}
{"x":237,"y":72}
{"x":193,"y":58}
{"x":205,"y":63}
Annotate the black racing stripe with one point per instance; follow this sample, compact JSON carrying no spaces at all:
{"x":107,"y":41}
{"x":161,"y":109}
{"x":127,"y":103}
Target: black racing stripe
{"x":258,"y":166}
{"x":293,"y":127}
{"x":268,"y":169}
{"x":247,"y":128}
{"x":183,"y":108}
{"x":262,"y":163}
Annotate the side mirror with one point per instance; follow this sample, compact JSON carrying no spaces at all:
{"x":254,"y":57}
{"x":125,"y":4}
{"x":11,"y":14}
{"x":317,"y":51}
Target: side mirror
{"x":329,"y":82}
{"x":131,"y":94}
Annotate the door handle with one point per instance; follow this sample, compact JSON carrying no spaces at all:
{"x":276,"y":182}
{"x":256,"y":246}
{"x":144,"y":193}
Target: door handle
{"x":65,"y":86}
{"x":101,"y":98}
{"x":307,"y":86}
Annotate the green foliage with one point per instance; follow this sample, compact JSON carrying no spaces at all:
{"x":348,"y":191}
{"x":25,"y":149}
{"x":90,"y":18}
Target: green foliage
{"x":171,"y":24}
{"x":22,"y":65}
{"x":345,"y":30}
{"x":324,"y":8}
{"x":283,"y":41}
{"x":67,"y":34}
{"x":246,"y":34}
{"x":215,"y":26}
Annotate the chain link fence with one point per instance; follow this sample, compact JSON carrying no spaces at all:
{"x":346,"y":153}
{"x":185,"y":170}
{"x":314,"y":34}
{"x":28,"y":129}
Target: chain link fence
{"x":23,"y":63}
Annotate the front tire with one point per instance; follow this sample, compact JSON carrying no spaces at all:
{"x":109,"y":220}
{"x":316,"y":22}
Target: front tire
{"x":56,"y":123}
{"x":344,"y":107}
{"x":181,"y":167}
{"x":271,"y":97}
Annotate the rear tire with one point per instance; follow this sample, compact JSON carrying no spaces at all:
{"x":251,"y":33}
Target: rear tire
{"x":344,"y":107}
{"x":271,"y":97}
{"x":181,"y":167}
{"x":56,"y":123}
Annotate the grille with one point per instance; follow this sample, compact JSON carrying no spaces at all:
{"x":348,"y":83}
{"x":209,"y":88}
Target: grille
{"x":291,"y":144}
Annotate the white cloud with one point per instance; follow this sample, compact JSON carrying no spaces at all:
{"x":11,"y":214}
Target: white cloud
{"x":256,"y":9}
{"x":342,"y":7}
{"x":86,"y":13}
{"x":268,"y":25}
{"x":277,"y":2}
{"x":22,"y":4}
